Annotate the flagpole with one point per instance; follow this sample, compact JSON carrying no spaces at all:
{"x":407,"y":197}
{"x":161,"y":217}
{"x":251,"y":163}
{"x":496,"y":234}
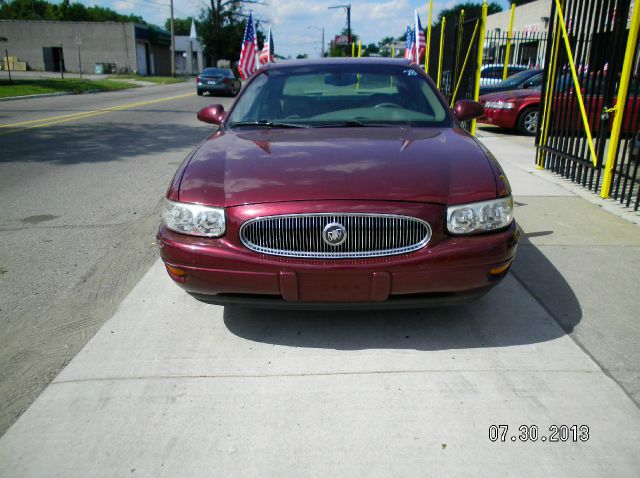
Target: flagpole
{"x":255,"y":40}
{"x":269,"y":47}
{"x":415,"y":39}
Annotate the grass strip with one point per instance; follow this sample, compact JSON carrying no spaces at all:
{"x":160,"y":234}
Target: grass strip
{"x":22,"y":87}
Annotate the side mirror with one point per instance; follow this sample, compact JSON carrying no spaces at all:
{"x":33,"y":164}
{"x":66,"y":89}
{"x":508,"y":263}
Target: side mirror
{"x":213,"y":114}
{"x":465,"y":110}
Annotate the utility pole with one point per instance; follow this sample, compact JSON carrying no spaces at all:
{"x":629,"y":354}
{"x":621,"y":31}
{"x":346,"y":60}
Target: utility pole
{"x":78,"y":44}
{"x":173,"y":45}
{"x":348,"y":9}
{"x":322,"y":42}
{"x":8,"y":64}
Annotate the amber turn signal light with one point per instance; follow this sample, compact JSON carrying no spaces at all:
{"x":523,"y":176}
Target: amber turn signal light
{"x":499,"y":270}
{"x":176,"y":273}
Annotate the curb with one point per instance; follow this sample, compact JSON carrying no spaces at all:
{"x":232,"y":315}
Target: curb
{"x":42,"y":95}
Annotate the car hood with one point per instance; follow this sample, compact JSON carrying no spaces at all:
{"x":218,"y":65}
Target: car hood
{"x":506,"y":95}
{"x":442,"y":165}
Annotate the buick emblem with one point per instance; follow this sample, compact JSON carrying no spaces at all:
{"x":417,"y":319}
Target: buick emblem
{"x":334,"y":234}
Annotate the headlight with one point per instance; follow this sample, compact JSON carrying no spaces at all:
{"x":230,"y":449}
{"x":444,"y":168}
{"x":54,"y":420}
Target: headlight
{"x":480,"y":216}
{"x":499,"y":105}
{"x":193,"y":219}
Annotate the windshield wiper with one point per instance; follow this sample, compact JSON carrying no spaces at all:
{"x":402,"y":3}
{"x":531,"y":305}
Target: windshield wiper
{"x":268,"y":124}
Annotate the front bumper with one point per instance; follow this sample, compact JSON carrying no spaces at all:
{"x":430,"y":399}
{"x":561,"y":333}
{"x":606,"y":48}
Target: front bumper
{"x":448,"y":270}
{"x":499,"y":117}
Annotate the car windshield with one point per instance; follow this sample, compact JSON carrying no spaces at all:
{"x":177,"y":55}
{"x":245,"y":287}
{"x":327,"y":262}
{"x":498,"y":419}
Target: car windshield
{"x":516,"y":79}
{"x":214,"y":72}
{"x":339,"y":95}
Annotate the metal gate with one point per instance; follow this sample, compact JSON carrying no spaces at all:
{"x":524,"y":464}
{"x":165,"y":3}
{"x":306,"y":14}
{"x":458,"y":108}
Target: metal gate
{"x":590,"y":97}
{"x":453,"y":57}
{"x":463,"y":56}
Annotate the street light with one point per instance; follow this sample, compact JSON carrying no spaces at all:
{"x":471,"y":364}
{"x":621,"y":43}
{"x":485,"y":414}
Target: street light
{"x":322,"y":44}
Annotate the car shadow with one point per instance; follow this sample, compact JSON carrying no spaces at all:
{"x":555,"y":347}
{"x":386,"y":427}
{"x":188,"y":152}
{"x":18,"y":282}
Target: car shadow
{"x":533,"y":304}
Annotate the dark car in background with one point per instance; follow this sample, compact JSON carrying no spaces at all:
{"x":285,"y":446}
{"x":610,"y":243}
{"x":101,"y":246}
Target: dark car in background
{"x":217,"y":81}
{"x":526,"y":79}
{"x":339,"y":183}
{"x":491,"y":74}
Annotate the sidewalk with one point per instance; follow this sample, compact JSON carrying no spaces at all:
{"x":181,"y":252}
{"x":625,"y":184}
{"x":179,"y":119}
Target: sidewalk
{"x":173,"y":387}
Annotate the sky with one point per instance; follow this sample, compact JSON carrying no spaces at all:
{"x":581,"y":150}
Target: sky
{"x":296,"y":24}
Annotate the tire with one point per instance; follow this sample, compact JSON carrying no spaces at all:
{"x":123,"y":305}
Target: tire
{"x":528,"y":121}
{"x":199,"y":92}
{"x":234,"y":91}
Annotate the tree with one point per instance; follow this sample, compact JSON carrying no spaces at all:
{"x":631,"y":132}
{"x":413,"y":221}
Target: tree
{"x":181,"y":26}
{"x":471,"y":10}
{"x":221,"y":28}
{"x":64,"y":11}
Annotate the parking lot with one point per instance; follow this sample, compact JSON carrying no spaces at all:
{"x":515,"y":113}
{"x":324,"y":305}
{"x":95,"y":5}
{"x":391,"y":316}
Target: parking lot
{"x":113,"y":370}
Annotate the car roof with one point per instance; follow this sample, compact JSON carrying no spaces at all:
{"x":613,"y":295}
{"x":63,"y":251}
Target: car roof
{"x":501,"y":65}
{"x":336,"y":61}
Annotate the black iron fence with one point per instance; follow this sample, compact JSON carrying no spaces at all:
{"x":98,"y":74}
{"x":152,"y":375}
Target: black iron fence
{"x":453,"y":56}
{"x":453,"y":67}
{"x":578,"y":137}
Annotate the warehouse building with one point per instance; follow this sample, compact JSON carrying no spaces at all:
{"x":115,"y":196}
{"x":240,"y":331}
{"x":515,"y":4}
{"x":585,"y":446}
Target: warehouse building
{"x":88,"y":46}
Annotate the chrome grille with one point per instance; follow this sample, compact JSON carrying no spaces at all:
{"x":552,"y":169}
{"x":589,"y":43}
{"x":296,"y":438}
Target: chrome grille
{"x":368,"y":235}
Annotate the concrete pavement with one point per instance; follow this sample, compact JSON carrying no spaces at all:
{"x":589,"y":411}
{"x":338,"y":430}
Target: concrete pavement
{"x":172,"y":387}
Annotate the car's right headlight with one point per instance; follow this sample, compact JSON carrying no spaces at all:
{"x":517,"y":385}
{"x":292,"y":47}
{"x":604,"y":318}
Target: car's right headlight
{"x":480,"y":217}
{"x":193,"y":219}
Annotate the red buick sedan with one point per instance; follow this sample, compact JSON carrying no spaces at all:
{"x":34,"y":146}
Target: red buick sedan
{"x":339,"y":183}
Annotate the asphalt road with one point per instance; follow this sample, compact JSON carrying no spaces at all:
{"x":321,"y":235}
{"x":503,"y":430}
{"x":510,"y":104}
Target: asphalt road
{"x":81,"y":178}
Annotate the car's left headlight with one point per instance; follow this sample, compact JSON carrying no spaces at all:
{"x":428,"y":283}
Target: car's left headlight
{"x":480,"y":217}
{"x":193,"y":219}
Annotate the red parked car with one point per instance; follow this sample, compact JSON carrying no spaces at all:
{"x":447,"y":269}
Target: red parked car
{"x":339,"y":183}
{"x":518,"y":109}
{"x":515,"y":109}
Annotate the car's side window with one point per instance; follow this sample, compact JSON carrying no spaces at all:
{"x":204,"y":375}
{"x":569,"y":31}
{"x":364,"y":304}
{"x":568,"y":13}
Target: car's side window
{"x":492,"y":72}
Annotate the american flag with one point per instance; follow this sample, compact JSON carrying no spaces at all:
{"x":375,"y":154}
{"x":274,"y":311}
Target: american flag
{"x":249,"y":52}
{"x":420,"y":41}
{"x":266,"y":55}
{"x":408,"y":47}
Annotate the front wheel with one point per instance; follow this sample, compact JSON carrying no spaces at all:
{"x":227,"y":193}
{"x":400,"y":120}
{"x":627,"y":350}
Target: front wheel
{"x":528,"y":121}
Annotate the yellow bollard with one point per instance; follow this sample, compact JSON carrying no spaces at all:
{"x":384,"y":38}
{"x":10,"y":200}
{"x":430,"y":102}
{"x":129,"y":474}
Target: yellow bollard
{"x":476,"y":90}
{"x":509,"y":35}
{"x":551,"y":81}
{"x":621,"y":101}
{"x":443,"y":24}
{"x":353,"y":49}
{"x":426,"y":55}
